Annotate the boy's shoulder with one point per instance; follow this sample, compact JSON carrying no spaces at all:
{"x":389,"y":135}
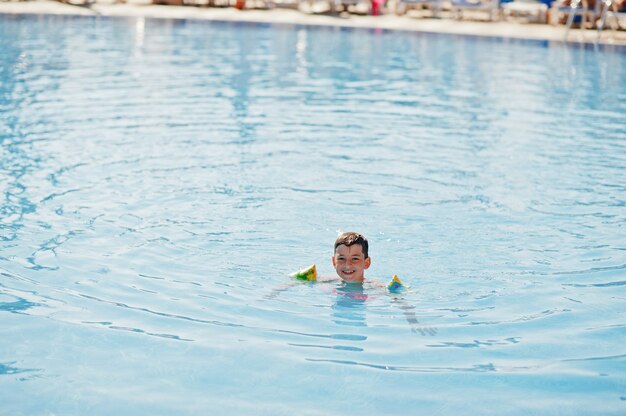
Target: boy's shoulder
{"x":325,"y":279}
{"x":376,"y":283}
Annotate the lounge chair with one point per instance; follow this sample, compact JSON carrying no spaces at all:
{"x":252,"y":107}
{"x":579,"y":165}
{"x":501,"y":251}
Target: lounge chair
{"x":615,"y":7}
{"x":169,"y":2}
{"x":79,"y":3}
{"x":334,"y":5}
{"x":403,"y":5}
{"x":588,"y":10}
{"x":530,"y":10}
{"x":561,"y":11}
{"x":286,"y":4}
{"x":254,"y":4}
{"x":491,"y":7}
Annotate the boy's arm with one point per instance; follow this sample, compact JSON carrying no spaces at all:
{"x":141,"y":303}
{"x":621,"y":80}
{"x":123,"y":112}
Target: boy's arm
{"x":283,"y":288}
{"x":408,"y":311}
{"x":409,"y":314}
{"x":280,"y":289}
{"x":308,"y":274}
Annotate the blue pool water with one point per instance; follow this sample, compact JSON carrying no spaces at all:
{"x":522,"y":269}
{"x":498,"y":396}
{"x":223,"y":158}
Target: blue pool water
{"x":161,"y":178}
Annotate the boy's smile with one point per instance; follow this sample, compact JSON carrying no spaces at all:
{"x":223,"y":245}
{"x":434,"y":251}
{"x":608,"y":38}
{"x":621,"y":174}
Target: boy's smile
{"x":350,"y":262}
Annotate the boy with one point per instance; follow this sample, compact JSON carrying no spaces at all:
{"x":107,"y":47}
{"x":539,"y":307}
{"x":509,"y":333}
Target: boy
{"x":351,"y":257}
{"x":350,"y":260}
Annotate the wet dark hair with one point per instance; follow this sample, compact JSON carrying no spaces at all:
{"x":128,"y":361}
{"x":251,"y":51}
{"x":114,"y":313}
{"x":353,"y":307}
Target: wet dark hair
{"x":351,"y":238}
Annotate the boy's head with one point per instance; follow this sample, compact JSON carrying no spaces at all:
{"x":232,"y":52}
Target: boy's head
{"x":351,"y":257}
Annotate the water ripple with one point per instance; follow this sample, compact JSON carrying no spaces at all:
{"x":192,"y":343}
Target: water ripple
{"x":158,"y":177}
{"x":479,"y":368}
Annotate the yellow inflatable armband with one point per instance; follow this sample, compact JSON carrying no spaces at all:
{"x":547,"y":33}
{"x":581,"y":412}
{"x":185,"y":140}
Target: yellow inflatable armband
{"x":309,"y":273}
{"x":395,"y":284}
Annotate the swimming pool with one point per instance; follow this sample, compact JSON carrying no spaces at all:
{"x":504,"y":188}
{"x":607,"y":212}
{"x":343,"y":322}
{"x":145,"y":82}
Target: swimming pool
{"x":161,"y":178}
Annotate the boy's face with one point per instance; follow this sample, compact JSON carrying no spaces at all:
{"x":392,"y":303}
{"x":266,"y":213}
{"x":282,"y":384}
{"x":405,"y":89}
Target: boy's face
{"x":350,"y":263}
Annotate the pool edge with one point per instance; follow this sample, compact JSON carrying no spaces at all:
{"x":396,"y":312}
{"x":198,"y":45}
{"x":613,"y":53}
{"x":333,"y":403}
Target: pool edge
{"x":498,"y":30}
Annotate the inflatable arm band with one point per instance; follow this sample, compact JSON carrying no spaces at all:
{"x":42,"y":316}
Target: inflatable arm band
{"x":395,"y":284}
{"x":310,"y":273}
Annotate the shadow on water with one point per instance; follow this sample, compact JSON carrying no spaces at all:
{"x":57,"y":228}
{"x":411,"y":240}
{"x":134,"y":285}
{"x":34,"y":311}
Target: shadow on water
{"x":18,"y":306}
{"x":7,"y":369}
{"x":11,"y":302}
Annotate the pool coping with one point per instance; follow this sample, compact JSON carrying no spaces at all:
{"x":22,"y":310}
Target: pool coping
{"x":144,"y":8}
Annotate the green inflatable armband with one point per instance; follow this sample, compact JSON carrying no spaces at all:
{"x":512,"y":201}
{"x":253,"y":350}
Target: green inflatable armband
{"x":309,"y":273}
{"x":395,"y":284}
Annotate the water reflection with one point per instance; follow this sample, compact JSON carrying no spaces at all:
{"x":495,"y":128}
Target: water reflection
{"x":15,"y":164}
{"x":349,"y":306}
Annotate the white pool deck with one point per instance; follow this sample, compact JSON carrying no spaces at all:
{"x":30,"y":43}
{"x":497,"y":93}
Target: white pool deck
{"x":411,"y":22}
